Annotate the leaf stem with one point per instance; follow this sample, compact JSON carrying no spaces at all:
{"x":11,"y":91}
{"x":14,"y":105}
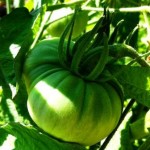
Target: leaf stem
{"x":147,"y":23}
{"x":122,"y":50}
{"x":129,"y":9}
{"x":8,"y":6}
{"x":42,"y":25}
{"x":69,"y":4}
{"x":130,"y":104}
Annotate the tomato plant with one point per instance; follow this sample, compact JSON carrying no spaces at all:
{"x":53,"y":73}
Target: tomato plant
{"x":82,"y":85}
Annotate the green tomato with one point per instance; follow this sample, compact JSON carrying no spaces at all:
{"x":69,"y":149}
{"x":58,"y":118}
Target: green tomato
{"x":65,"y":105}
{"x":61,"y":18}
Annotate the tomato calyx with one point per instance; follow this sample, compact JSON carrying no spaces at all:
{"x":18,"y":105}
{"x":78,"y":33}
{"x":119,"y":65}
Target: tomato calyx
{"x":93,"y":50}
{"x":72,"y":58}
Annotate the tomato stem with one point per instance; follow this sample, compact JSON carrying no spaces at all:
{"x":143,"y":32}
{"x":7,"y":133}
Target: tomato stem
{"x":118,"y":51}
{"x":63,"y":5}
{"x":129,"y":9}
{"x":123,"y":50}
{"x":45,"y":18}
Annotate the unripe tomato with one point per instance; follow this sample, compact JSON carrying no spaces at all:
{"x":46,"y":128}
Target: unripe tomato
{"x":65,"y":105}
{"x":60,"y":19}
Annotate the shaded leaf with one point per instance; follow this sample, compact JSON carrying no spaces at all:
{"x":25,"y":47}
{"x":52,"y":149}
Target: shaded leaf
{"x":126,"y":143}
{"x":14,"y":30}
{"x":20,"y":137}
{"x":17,"y":32}
{"x":135,"y":81}
{"x":145,"y":145}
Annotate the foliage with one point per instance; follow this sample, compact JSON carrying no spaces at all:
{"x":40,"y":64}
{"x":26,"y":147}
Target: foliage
{"x":127,"y":28}
{"x":30,"y":138}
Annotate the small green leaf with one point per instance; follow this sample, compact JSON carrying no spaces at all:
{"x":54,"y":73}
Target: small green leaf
{"x":135,"y":81}
{"x":19,"y":137}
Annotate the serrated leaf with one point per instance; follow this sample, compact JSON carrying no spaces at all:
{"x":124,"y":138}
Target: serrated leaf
{"x":135,"y":81}
{"x":20,"y":137}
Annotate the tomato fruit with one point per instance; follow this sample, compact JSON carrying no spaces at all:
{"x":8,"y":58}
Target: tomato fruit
{"x":64,"y":104}
{"x":60,"y":19}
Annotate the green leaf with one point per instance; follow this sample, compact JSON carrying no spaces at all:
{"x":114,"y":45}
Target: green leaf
{"x":19,"y":137}
{"x":135,"y":81}
{"x":17,"y":32}
{"x":145,"y":145}
{"x":15,"y":28}
{"x":126,"y":143}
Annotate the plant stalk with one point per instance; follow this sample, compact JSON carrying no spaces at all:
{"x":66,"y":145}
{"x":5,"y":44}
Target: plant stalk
{"x":8,"y":6}
{"x":130,"y":9}
{"x":121,"y":50}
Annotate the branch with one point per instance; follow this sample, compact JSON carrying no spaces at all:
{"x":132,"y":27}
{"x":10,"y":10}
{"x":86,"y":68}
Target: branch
{"x":119,"y":51}
{"x":128,"y":9}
